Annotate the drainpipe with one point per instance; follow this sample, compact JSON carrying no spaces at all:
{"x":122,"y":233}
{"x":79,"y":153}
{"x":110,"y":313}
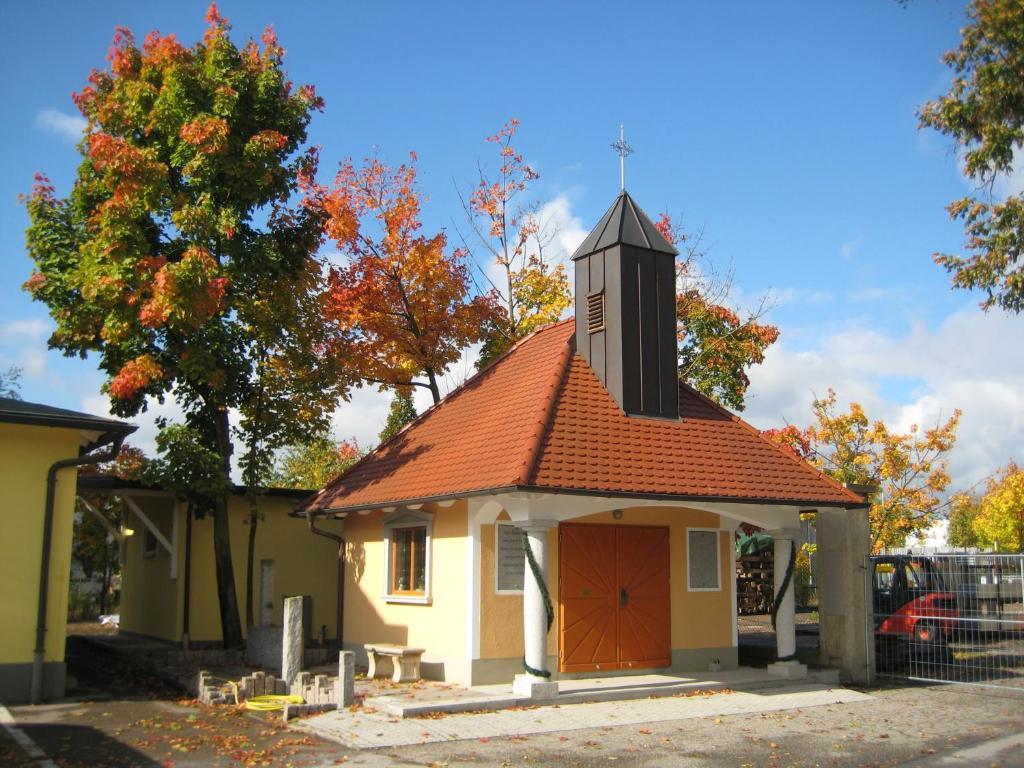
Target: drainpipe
{"x":115,"y":439}
{"x":341,"y":571}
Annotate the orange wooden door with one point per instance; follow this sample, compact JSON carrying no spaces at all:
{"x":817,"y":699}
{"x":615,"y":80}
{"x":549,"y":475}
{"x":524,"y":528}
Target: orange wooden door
{"x":614,"y":606}
{"x":645,"y":630}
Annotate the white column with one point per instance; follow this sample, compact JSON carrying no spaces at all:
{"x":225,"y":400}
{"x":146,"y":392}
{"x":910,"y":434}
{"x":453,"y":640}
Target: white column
{"x":785,"y":614}
{"x":535,"y":626}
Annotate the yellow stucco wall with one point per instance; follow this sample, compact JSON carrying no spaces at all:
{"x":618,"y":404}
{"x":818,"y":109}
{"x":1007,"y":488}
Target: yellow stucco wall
{"x":699,"y":619}
{"x":439,"y":627}
{"x":26,"y":453}
{"x":304,"y":564}
{"x":501,"y":615}
{"x":149,"y":597}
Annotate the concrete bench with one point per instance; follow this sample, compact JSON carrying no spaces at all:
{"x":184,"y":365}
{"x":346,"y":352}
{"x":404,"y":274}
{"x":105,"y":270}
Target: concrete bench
{"x":398,"y":662}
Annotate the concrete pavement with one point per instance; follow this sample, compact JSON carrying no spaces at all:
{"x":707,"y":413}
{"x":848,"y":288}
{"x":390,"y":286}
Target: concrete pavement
{"x":371,"y":728}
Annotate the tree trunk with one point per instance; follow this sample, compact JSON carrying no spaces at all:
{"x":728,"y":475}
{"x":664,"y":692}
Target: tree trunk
{"x":250,"y":556}
{"x":231,"y":627}
{"x":434,"y":391}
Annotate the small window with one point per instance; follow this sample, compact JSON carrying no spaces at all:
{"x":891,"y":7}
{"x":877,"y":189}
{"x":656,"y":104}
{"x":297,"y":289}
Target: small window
{"x":510,"y":561}
{"x":595,"y":312}
{"x":149,"y":544}
{"x":703,"y":570}
{"x":407,"y":546}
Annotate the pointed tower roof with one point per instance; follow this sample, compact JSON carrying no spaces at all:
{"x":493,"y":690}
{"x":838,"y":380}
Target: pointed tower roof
{"x":624,"y":222}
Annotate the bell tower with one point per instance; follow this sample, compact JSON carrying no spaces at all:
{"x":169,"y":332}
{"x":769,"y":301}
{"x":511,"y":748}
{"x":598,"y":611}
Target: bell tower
{"x":626,"y":310}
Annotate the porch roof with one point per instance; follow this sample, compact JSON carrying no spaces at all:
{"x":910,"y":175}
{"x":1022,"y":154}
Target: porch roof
{"x":539,"y":419}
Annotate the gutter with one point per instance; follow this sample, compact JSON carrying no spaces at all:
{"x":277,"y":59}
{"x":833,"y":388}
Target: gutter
{"x":311,"y":519}
{"x":115,"y":440}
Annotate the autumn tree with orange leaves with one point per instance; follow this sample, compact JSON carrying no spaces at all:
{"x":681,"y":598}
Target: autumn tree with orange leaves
{"x":402,"y":296}
{"x":180,"y":258}
{"x":532,"y":290}
{"x":716,"y":345}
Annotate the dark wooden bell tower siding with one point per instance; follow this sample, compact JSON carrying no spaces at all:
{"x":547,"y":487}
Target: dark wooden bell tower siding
{"x":625,"y":310}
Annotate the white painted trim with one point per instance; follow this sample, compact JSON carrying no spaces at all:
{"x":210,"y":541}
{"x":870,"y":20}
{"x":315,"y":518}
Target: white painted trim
{"x":732,"y":582}
{"x":729,"y":526}
{"x":419,"y":520}
{"x":104,"y":521}
{"x":473,"y":581}
{"x":718,"y":559}
{"x":562,"y":507}
{"x":407,"y":600}
{"x":497,"y":562}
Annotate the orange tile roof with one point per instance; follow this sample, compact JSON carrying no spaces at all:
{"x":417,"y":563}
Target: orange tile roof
{"x":540,"y":419}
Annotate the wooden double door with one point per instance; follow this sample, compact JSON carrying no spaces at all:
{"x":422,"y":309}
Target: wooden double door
{"x":614,"y":597}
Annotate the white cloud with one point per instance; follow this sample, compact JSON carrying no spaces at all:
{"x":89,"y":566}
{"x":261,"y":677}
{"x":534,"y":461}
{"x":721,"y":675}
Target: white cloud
{"x":967,"y":362}
{"x":145,"y":436}
{"x":67,"y":127}
{"x":777,"y":297}
{"x":560,"y":233}
{"x":565,"y":229}
{"x":31,"y":328}
{"x":32,"y":360}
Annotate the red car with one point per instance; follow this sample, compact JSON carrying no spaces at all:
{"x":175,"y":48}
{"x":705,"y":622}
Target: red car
{"x":913,"y":611}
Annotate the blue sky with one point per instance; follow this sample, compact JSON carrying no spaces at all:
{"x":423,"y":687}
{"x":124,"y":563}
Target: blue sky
{"x":786,"y":130}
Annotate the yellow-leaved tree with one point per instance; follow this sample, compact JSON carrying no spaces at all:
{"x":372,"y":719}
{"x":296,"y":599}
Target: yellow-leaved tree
{"x":999,"y":522}
{"x":909,"y":470}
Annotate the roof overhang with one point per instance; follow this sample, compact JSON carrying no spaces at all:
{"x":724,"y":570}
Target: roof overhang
{"x":105,"y":484}
{"x":640,"y":497}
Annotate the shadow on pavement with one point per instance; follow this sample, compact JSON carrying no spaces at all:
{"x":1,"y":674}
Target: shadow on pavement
{"x":77,"y":745}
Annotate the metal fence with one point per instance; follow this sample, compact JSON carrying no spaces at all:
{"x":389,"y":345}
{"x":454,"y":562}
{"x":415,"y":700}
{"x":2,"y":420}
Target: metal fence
{"x":949,"y":617}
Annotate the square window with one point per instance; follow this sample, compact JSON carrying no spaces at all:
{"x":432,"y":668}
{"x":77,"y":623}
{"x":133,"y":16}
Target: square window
{"x":703,"y":569}
{"x":407,"y":543}
{"x":408,"y":561}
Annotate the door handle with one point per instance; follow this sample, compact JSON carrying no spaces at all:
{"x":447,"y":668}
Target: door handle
{"x":623,"y":597}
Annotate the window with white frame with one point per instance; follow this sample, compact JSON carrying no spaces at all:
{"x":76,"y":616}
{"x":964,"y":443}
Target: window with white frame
{"x":509,"y":559}
{"x":703,"y":570}
{"x":407,"y":538}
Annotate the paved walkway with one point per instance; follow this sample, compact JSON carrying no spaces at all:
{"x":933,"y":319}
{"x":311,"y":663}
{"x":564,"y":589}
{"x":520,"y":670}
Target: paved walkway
{"x":372,"y":729}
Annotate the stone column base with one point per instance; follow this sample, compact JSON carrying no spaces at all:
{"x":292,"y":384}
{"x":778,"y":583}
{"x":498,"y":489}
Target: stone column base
{"x":788,"y":670}
{"x":536,"y":688}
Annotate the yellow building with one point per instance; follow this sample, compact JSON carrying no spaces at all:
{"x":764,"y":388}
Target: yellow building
{"x":40,"y":448}
{"x":160,"y":571}
{"x":570,"y":510}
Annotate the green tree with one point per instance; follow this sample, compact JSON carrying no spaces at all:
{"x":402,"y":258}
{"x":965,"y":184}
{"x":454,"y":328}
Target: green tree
{"x":983,"y":111}
{"x":716,"y":346}
{"x":402,"y":412}
{"x":314,"y":463}
{"x":963,"y":510}
{"x":179,"y":257}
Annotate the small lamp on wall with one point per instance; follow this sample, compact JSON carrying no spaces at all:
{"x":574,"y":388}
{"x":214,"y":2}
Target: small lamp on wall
{"x":617,"y":514}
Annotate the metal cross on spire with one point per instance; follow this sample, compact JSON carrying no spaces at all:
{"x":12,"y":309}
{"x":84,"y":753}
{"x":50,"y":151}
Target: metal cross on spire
{"x":624,"y":151}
